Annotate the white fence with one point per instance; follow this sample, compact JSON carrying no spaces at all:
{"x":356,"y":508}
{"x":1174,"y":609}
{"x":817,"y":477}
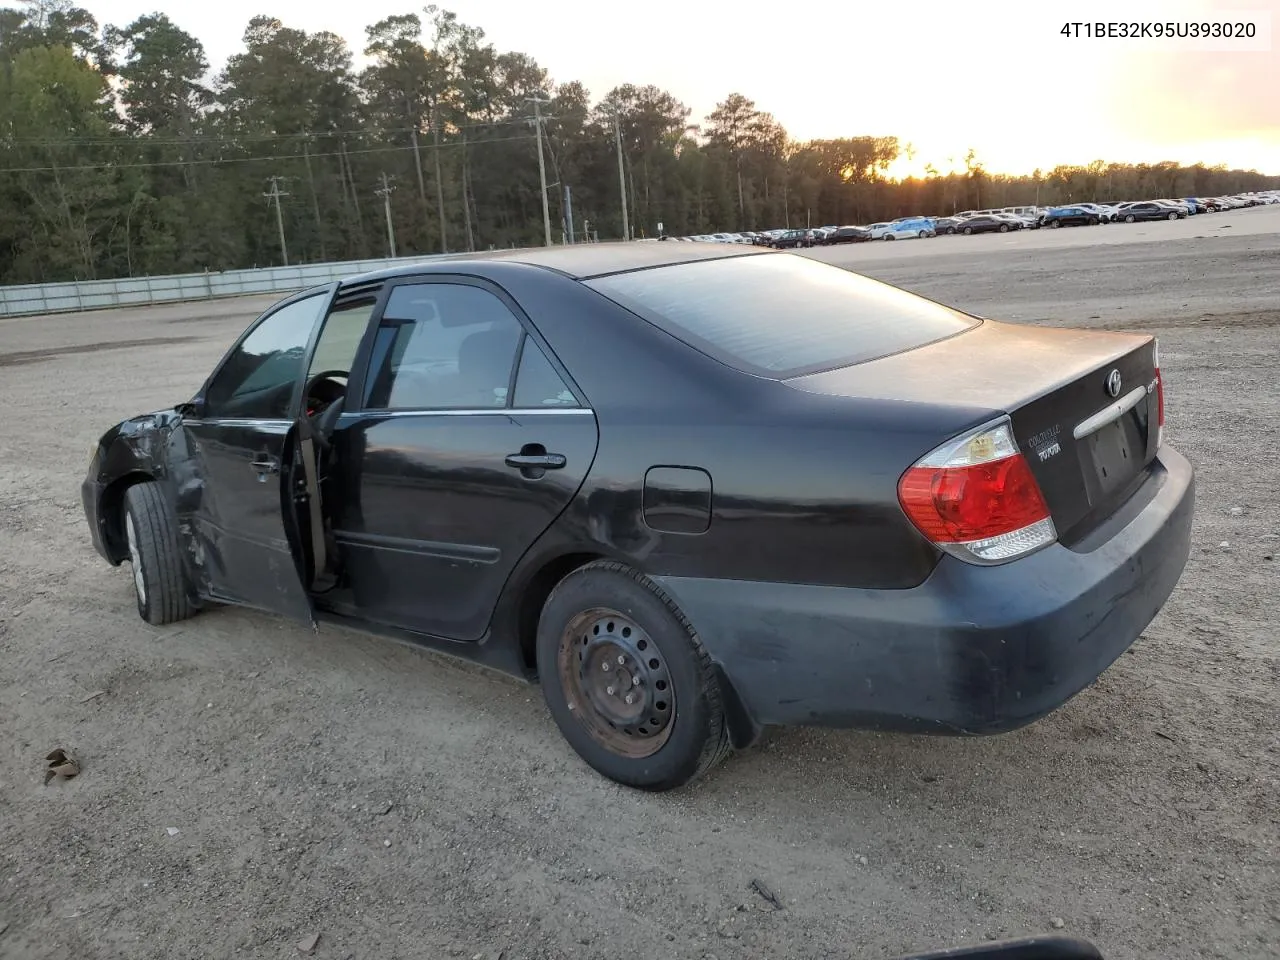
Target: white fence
{"x":37,"y":298}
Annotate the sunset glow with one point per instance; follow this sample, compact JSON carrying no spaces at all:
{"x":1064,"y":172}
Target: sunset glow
{"x":996,"y":76}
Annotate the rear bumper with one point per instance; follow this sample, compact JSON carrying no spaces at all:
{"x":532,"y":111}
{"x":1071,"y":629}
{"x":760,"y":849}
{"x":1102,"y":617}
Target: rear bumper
{"x":972,"y":650}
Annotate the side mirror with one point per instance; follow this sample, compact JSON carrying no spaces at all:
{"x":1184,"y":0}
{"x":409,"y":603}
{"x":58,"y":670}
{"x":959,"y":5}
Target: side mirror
{"x":193,"y":408}
{"x":1028,"y":948}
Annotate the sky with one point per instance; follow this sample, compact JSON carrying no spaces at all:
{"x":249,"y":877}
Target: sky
{"x":996,"y":76}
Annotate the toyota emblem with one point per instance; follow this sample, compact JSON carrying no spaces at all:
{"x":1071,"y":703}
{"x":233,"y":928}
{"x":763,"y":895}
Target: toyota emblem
{"x":1113,"y":383}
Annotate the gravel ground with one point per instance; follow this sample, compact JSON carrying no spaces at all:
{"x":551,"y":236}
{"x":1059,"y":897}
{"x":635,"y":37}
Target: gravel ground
{"x":247,"y":784}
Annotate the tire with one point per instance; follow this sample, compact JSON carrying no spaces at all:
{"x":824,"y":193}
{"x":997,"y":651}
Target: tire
{"x":968,"y":231}
{"x":1055,"y":224}
{"x":598,"y":614}
{"x":1173,"y":214}
{"x":159,"y":580}
{"x":1129,"y":218}
{"x":888,"y":236}
{"x":1004,"y":228}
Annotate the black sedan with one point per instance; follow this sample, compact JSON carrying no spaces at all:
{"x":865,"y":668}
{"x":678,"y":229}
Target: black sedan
{"x":1070,"y":217}
{"x":611,"y":470}
{"x":846,"y":235}
{"x":1149,"y":210}
{"x":984,"y":223}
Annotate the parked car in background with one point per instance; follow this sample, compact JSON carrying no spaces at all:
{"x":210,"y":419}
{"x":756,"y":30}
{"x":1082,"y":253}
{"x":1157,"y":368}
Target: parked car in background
{"x":849,"y":234}
{"x":1073,"y":216}
{"x":1015,"y":221}
{"x":791,"y":239}
{"x":910,"y":229}
{"x":878,"y":230}
{"x":1149,"y":210}
{"x":984,"y":223}
{"x":947,"y":224}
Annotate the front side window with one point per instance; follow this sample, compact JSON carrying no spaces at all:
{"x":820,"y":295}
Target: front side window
{"x":257,"y":380}
{"x":340,"y":339}
{"x":443,"y":346}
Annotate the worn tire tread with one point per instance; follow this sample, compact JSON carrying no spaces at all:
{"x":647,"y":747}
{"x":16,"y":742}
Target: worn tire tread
{"x":718,"y":744}
{"x":168,"y":599}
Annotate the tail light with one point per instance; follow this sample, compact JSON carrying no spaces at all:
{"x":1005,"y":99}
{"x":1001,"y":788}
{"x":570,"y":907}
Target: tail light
{"x":1155,"y":359}
{"x":975,"y":498}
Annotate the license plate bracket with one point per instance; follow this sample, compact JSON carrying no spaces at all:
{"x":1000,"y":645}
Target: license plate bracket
{"x":1114,"y":456}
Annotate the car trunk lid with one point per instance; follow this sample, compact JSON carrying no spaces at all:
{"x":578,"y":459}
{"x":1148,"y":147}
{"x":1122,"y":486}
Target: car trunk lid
{"x":1084,"y":404}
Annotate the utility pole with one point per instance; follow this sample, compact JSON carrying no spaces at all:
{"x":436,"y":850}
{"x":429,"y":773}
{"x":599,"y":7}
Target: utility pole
{"x":542,"y":167}
{"x":568,"y":213}
{"x":275,"y":195}
{"x":385,"y":193}
{"x":622,"y":182}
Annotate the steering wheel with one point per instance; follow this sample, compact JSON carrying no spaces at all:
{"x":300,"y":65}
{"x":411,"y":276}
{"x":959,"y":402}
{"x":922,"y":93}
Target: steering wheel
{"x":314,"y":381}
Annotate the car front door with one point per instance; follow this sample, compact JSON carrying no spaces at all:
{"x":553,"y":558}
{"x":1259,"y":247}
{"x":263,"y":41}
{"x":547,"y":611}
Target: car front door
{"x":233,"y":498}
{"x":464,"y":443}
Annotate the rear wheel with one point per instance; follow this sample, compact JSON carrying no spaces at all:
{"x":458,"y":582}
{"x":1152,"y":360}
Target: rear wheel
{"x":628,"y":681}
{"x":159,"y":580}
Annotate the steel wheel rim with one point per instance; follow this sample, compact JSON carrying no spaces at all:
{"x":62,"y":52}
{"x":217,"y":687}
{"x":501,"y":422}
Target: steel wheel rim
{"x":603,"y":658}
{"x":135,"y":558}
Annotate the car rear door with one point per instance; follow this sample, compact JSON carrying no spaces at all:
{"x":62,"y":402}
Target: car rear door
{"x":463,"y":442}
{"x":233,"y":494}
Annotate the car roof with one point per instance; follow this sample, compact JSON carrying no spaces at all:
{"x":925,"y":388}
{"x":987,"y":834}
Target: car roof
{"x":580,"y":262}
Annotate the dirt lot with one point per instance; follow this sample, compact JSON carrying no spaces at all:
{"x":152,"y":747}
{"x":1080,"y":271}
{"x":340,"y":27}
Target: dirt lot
{"x":403,"y":806}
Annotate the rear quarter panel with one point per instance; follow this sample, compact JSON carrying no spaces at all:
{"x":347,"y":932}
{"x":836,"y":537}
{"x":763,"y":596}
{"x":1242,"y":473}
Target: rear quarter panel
{"x":804,"y":487}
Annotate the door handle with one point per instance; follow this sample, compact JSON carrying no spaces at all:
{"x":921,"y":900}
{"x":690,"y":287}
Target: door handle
{"x":265,"y":465}
{"x":536,"y":461}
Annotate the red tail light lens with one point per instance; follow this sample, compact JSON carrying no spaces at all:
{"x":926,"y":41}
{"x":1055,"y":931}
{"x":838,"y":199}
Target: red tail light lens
{"x":976,"y":498}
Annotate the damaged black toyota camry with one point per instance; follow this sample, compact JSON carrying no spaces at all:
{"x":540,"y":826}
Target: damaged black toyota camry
{"x":692,"y":490}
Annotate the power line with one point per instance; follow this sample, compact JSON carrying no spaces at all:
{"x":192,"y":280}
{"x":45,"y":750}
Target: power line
{"x":124,"y":137}
{"x":220,"y":160}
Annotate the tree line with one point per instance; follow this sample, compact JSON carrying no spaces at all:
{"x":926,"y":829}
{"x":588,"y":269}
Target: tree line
{"x":120,"y":156}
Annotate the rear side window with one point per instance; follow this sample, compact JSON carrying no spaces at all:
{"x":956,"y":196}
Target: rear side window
{"x":780,"y":315}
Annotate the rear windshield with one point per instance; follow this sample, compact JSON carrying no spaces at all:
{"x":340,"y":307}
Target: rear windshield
{"x":781,"y":315}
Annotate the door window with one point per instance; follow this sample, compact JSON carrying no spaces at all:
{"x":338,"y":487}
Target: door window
{"x":340,"y":339}
{"x":443,"y":346}
{"x":537,"y":382}
{"x":256,"y":382}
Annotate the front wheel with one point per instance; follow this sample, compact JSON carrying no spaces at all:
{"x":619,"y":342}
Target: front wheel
{"x":968,"y":231}
{"x":1129,"y":218}
{"x":1004,"y":228}
{"x":1055,"y":224}
{"x":159,"y":579}
{"x":1173,"y":214}
{"x":627,"y":679}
